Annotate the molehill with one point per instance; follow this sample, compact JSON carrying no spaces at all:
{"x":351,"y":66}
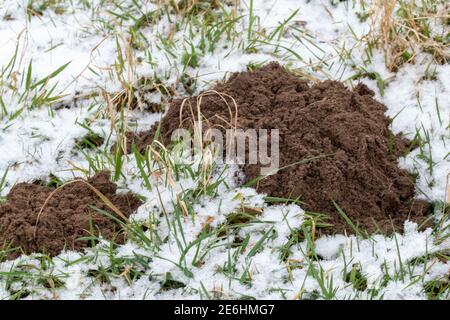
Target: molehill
{"x":361,"y":174}
{"x":67,"y":214}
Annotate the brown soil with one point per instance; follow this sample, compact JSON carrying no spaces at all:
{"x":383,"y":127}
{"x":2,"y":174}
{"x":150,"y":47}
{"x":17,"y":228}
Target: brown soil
{"x":65,"y":218}
{"x":362,"y":176}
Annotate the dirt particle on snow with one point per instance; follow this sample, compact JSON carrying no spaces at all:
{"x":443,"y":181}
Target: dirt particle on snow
{"x":67,"y":215}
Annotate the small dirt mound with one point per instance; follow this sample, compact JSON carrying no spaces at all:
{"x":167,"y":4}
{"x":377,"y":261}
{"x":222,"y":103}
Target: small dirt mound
{"x":362,"y":176}
{"x":67,"y":215}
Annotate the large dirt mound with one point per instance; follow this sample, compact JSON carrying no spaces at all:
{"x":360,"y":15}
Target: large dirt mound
{"x":67,"y":215}
{"x":362,"y":176}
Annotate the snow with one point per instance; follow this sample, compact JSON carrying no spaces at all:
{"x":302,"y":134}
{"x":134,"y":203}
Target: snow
{"x":39,"y":142}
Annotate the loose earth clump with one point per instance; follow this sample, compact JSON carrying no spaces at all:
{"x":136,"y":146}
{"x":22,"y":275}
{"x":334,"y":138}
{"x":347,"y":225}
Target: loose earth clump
{"x":360,"y":175}
{"x":67,"y":216}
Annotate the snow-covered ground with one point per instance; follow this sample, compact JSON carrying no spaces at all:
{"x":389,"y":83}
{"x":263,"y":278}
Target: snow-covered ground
{"x":70,"y":53}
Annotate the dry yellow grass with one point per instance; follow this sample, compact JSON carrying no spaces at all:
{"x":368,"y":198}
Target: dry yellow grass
{"x":403,"y":28}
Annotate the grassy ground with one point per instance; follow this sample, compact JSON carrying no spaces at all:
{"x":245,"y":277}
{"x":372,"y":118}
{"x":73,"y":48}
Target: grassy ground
{"x":198,"y":234}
